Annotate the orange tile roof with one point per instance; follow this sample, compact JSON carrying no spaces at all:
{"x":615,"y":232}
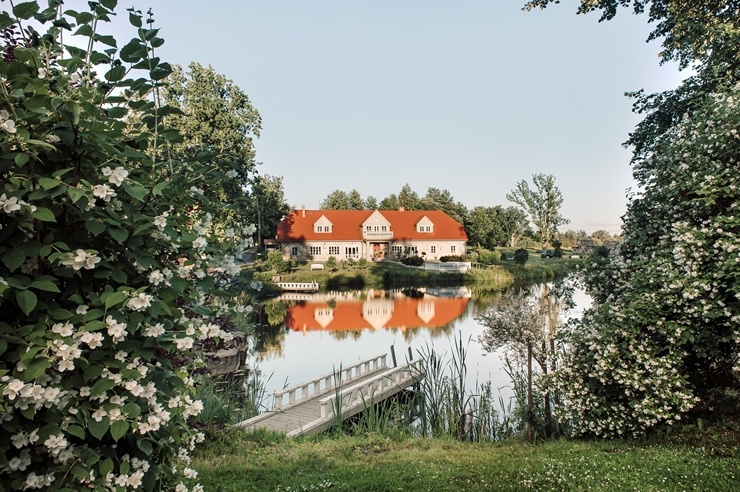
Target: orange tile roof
{"x":298,"y":226}
{"x":348,"y":315}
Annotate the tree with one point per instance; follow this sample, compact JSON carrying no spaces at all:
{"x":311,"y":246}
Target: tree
{"x":408,"y":199}
{"x":215,"y":118}
{"x":437,"y":199}
{"x":341,"y":200}
{"x":479,"y":227}
{"x":513,"y":223}
{"x":542,"y":204}
{"x":267,"y":205}
{"x":662,"y":336}
{"x":371,"y":203}
{"x":516,"y":323}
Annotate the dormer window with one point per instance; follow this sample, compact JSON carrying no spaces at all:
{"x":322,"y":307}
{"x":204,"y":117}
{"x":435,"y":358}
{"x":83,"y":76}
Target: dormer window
{"x":323,"y":225}
{"x":425,"y":225}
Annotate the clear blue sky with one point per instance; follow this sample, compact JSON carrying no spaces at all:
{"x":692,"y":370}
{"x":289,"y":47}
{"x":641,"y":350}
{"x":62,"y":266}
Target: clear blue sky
{"x":468,"y":96}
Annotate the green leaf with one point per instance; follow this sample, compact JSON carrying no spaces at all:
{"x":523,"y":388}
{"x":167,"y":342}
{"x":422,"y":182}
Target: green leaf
{"x":115,"y":74}
{"x":61,"y":314}
{"x":6,"y":20}
{"x":119,"y":276}
{"x":106,"y":40}
{"x":114,"y":298}
{"x":98,"y":429}
{"x":25,"y":10}
{"x":13,"y":258}
{"x":92,"y":372}
{"x":117,"y":112}
{"x":21,"y":159}
{"x":36,"y":368}
{"x":49,"y":183}
{"x":26,"y":301}
{"x":95,"y":227}
{"x":75,"y":194}
{"x":136,"y":191}
{"x":135,"y":21}
{"x":76,"y":431}
{"x":118,"y":233}
{"x":106,"y":467}
{"x":102,"y":385}
{"x":132,"y":410}
{"x":145,"y":446}
{"x":45,"y":284}
{"x":160,"y":187}
{"x":118,"y":429}
{"x":43,"y":214}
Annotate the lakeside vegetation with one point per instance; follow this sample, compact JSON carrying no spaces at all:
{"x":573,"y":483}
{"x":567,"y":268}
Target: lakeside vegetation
{"x":389,"y":274}
{"x":692,"y":460}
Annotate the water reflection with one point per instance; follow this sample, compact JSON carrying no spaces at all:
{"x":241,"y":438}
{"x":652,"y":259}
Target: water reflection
{"x":302,"y":336}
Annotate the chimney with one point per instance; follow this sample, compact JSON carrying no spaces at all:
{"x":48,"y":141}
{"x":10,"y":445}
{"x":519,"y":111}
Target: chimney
{"x":401,"y":209}
{"x":303,"y":210}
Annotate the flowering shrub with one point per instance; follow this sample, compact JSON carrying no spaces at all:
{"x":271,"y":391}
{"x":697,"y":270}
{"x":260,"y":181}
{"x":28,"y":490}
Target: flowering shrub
{"x":664,"y":335}
{"x":108,"y":274}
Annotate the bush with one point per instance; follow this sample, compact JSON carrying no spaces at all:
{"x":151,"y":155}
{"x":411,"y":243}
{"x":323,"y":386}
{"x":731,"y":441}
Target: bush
{"x":521,"y":256}
{"x":109,"y":271}
{"x":487,"y":257}
{"x":448,"y":258}
{"x":413,"y":261}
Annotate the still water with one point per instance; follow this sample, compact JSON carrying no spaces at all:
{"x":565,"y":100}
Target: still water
{"x":304,"y":336}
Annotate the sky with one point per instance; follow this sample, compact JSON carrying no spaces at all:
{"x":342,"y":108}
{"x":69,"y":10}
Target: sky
{"x":468,"y":96}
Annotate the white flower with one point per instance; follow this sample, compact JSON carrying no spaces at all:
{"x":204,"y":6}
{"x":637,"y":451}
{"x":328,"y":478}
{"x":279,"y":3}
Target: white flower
{"x":8,"y":126}
{"x":154,"y":330}
{"x":13,"y":389}
{"x":81,"y":259}
{"x":160,"y":222}
{"x":56,"y":443}
{"x":200,"y":243}
{"x":156,"y":277}
{"x":117,"y":176}
{"x":116,"y":330}
{"x":104,"y":192}
{"x":64,"y":330}
{"x":231,"y":173}
{"x":41,"y":72}
{"x":74,"y":78}
{"x":140,"y":302}
{"x":82,"y":309}
{"x":9,"y":205}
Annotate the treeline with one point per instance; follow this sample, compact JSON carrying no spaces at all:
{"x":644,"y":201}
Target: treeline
{"x":487,"y":227}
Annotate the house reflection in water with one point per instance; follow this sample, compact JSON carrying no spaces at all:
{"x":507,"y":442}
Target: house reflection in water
{"x":377,"y":309}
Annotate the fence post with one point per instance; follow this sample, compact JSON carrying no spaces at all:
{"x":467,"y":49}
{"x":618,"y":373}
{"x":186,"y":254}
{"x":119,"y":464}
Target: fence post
{"x":393,"y":356}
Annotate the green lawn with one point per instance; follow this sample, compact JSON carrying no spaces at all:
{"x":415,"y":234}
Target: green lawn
{"x":236,"y":461}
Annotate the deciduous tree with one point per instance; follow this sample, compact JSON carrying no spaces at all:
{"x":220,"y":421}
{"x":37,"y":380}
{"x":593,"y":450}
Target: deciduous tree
{"x":541,"y":203}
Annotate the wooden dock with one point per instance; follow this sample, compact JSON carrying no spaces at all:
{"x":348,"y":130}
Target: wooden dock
{"x":299,"y":286}
{"x":311,"y":406}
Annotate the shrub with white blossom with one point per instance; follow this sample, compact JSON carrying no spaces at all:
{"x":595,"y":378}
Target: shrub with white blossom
{"x":108,"y":277}
{"x":664,"y":336}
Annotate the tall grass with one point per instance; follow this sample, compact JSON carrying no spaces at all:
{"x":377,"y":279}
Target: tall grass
{"x":448,"y":408}
{"x":232,"y":398}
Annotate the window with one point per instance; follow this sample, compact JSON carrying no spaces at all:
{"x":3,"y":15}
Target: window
{"x":452,"y":249}
{"x":433,"y":249}
{"x":333,"y":250}
{"x":429,"y":228}
{"x":413,"y":250}
{"x":320,"y":228}
{"x":294,"y":251}
{"x":326,"y":229}
{"x":351,"y":252}
{"x":315,"y":250}
{"x":377,"y":228}
{"x":384,"y":228}
{"x":368,"y":228}
{"x":396,"y":250}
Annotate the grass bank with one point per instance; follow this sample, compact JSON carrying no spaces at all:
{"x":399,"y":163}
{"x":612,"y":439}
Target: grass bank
{"x":393,"y":275}
{"x":234,"y":460}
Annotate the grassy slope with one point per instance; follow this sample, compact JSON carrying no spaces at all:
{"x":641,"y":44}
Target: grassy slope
{"x":236,"y":461}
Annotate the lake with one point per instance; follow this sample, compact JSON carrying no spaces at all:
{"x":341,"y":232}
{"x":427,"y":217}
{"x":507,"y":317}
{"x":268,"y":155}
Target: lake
{"x":303,"y":336}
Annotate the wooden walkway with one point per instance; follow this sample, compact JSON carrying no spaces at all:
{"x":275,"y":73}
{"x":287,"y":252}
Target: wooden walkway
{"x":310,"y":407}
